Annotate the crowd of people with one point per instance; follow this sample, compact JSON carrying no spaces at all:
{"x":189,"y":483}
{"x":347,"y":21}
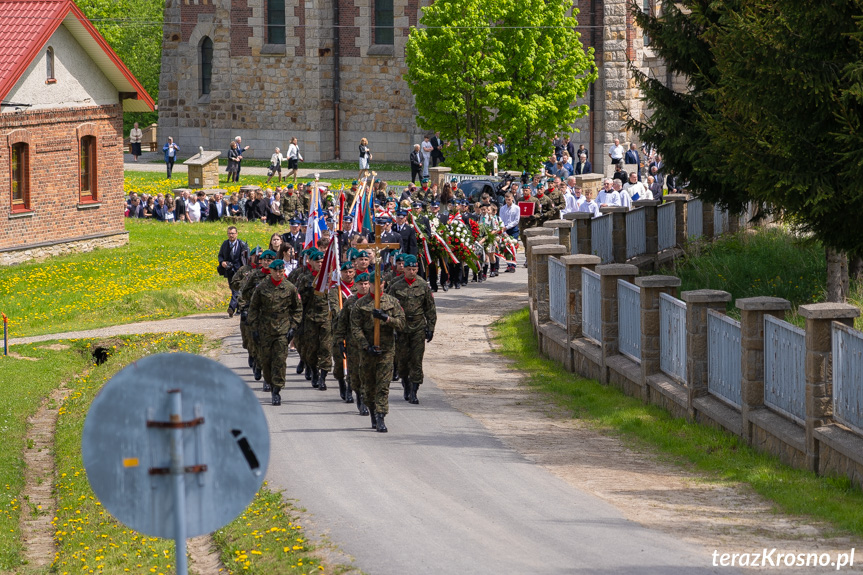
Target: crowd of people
{"x":328,"y":314}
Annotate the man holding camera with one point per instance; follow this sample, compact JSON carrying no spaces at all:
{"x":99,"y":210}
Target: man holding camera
{"x":233,"y":255}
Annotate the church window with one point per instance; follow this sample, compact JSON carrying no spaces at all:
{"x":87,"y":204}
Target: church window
{"x":49,"y":65}
{"x":384,"y":31}
{"x":647,"y":8}
{"x":88,"y":169}
{"x":20,"y":177}
{"x":275,"y":21}
{"x":206,"y":65}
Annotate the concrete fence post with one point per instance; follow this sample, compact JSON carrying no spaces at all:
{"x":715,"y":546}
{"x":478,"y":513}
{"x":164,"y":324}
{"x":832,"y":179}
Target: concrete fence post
{"x":540,"y":266}
{"x":618,"y":232}
{"x":752,"y":312}
{"x":651,"y":287}
{"x":563,"y":228}
{"x":582,"y":230}
{"x":530,"y":244}
{"x":608,"y":276}
{"x":819,"y":368}
{"x":651,"y":226}
{"x":697,"y":304}
{"x":574,"y":264}
{"x":680,"y":217}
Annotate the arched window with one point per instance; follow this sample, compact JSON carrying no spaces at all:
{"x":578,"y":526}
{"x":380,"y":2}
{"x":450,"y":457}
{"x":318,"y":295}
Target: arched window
{"x":384,"y":22}
{"x":275,"y":21}
{"x":206,"y":65}
{"x":49,"y":65}
{"x":20,"y":177}
{"x":88,"y":169}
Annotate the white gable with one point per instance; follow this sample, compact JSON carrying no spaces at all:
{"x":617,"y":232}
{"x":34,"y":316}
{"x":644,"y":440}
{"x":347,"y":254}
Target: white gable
{"x":80,"y":82}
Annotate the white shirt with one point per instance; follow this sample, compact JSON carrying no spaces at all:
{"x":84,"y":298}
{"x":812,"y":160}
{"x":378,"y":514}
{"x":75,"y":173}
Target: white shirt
{"x":294,"y":152}
{"x":611,"y":198}
{"x":509,"y":215}
{"x":637,"y":188}
{"x":616,"y":152}
{"x":194,"y":211}
{"x":625,"y":200}
{"x":276,"y":159}
{"x":570,"y":206}
{"x":135,"y":136}
{"x":591,"y":207}
{"x":426,"y":148}
{"x":579,"y":201}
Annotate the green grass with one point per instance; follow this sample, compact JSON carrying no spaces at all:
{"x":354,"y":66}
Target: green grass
{"x":718,"y":455}
{"x":266,"y":539}
{"x":24,"y":385}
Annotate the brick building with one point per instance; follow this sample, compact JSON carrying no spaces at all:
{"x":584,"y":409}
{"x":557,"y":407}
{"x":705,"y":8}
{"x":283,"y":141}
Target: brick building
{"x":272,"y":69}
{"x":62,"y":96}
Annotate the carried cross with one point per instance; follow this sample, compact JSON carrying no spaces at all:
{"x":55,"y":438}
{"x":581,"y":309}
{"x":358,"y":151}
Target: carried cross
{"x":377,"y":248}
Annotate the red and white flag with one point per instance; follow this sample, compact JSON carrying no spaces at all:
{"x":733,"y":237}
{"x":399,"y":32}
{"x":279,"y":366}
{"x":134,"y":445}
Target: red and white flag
{"x":329,"y":274}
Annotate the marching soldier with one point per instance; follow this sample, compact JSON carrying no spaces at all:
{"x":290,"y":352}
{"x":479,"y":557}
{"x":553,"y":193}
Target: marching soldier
{"x":274,"y":314}
{"x":317,"y":332}
{"x":348,"y":344}
{"x":237,"y":286}
{"x":249,"y":284}
{"x":376,"y":361}
{"x":415,"y":297}
{"x":337,"y":303}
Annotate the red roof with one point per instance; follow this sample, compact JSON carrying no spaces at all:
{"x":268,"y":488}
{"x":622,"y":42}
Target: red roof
{"x":26,"y":26}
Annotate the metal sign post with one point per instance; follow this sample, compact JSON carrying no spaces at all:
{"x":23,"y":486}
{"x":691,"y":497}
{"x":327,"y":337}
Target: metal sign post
{"x":175,"y":446}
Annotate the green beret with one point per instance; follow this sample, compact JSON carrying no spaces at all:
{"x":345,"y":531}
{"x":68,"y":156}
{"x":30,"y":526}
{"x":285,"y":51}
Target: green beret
{"x":256,"y":251}
{"x":410,"y":260}
{"x":352,"y":254}
{"x":316,"y":255}
{"x":355,"y":183}
{"x":277,"y":265}
{"x":347,"y":266}
{"x":290,"y":186}
{"x":269,"y":254}
{"x":362,"y":254}
{"x":400,"y":257}
{"x":363,"y":277}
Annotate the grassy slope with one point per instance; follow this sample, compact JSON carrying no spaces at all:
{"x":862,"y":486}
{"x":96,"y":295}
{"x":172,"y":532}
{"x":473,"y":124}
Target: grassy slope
{"x":155,"y":182}
{"x":24,"y":385}
{"x":707,"y":450}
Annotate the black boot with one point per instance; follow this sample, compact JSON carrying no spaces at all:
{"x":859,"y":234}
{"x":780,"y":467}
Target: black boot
{"x":257,"y":371}
{"x":251,"y":361}
{"x":300,"y":367}
{"x":395,"y":373}
{"x":361,"y":407}
{"x":372,"y":415}
{"x":322,"y":380}
{"x":342,"y":388}
{"x":406,"y":385}
{"x":267,"y":387}
{"x":314,"y":378}
{"x":349,"y":394}
{"x":277,"y":399}
{"x":308,"y":372}
{"x":379,"y":423}
{"x":413,"y":398}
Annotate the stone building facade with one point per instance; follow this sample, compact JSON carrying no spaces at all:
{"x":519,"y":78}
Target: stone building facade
{"x":268,"y":89}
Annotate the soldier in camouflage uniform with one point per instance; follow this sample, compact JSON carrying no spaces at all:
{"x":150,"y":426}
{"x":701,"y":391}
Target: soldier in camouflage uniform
{"x":337,"y":302}
{"x":548,"y":209}
{"x":274,"y":314}
{"x":237,"y":286}
{"x":348,"y":345}
{"x":297,"y":277}
{"x":292,"y":205}
{"x":306,"y":197}
{"x":555,"y":193}
{"x":317,"y":334}
{"x":415,"y":297}
{"x":246,"y":290}
{"x":376,"y":362}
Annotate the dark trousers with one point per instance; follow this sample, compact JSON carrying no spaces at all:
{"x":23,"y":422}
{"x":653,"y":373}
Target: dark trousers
{"x":235,"y":295}
{"x":416,"y":172}
{"x":170,"y":165}
{"x":432,"y":274}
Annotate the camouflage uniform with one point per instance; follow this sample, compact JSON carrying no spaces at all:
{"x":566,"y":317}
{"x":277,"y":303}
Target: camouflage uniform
{"x":333,"y":297}
{"x":292,"y":206}
{"x":306,"y":198}
{"x":420,"y":318}
{"x":342,"y":332}
{"x":559,"y":202}
{"x":246,"y":290}
{"x":376,"y":370}
{"x":237,"y":286}
{"x":317,"y":337}
{"x":297,"y":277}
{"x":273,"y":311}
{"x":549,"y":212}
{"x":532,"y":221}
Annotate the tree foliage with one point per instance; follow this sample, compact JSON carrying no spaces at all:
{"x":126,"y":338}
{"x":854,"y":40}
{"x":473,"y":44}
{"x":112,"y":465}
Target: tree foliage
{"x":479,"y":69}
{"x":133,"y":28}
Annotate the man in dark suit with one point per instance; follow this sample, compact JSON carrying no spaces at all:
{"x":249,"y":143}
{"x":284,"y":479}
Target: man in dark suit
{"x":632,"y":157}
{"x":294,"y":237}
{"x":570,"y":147}
{"x":416,"y":163}
{"x":583,"y":166}
{"x":437,"y":149}
{"x":408,"y":234}
{"x":218,"y":209}
{"x":388,"y":236}
{"x":233,"y":255}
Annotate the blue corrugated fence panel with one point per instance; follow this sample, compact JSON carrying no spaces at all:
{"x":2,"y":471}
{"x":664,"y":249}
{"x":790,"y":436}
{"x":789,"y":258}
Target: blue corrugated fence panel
{"x":848,"y":376}
{"x":591,"y":302}
{"x":636,"y":232}
{"x":784,"y":365}
{"x":666,"y":222}
{"x":557,"y":296}
{"x":672,"y":337}
{"x":629,"y":319}
{"x":694,"y":219}
{"x":723,"y":357}
{"x":600,"y":238}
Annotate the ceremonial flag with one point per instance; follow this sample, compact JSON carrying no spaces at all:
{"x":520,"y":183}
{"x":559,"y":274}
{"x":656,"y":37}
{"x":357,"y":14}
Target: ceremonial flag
{"x":445,"y":246}
{"x":346,"y":291}
{"x":342,"y":201}
{"x":328,"y":276}
{"x":369,"y":211}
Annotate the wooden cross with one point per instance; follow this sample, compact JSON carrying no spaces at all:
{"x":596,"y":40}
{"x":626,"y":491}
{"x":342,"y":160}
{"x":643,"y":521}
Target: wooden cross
{"x":377,"y":248}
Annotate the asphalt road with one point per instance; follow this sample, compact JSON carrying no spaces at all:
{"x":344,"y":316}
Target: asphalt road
{"x":439,"y":493}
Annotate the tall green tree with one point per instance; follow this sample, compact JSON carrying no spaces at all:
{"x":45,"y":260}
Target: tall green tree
{"x":483,"y":68}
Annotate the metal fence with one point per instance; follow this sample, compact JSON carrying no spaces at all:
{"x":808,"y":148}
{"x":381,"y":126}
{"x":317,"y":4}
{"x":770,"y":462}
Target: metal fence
{"x":672,"y":337}
{"x":573,"y":239}
{"x":629,"y":319}
{"x":666,"y":221}
{"x":848,"y":376}
{"x":723,"y":357}
{"x":636,"y":232}
{"x":784,"y":363}
{"x":600,"y":238}
{"x":720,"y":221}
{"x":591,"y":305}
{"x":557,"y":296}
{"x":694,"y":219}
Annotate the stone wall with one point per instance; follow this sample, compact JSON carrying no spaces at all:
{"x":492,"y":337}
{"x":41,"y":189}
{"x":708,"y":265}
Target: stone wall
{"x":40,"y":252}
